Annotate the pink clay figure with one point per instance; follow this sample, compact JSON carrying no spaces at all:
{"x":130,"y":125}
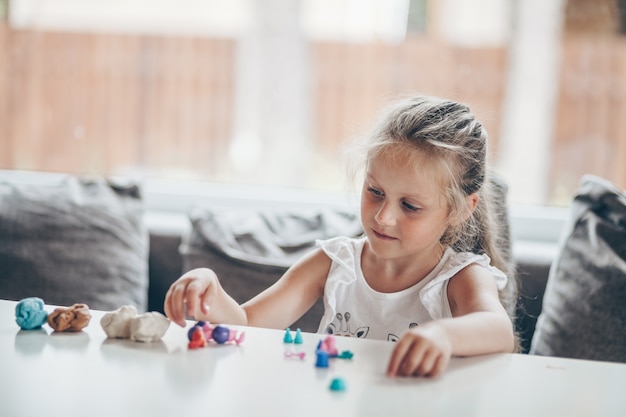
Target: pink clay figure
{"x":328,"y":346}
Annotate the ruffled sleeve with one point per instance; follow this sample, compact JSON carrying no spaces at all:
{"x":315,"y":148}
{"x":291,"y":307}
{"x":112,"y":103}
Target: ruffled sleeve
{"x":341,"y":250}
{"x":345,"y":254}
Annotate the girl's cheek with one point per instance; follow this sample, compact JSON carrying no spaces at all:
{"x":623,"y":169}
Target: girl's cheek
{"x":367,"y":209}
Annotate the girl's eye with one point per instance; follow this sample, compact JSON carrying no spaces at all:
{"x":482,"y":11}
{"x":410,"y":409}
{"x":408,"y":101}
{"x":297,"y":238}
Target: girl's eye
{"x":410,"y":207}
{"x":375,"y":192}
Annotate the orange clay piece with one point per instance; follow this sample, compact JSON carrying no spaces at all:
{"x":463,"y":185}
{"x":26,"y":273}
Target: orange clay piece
{"x":197,"y":339}
{"x":70,"y":319}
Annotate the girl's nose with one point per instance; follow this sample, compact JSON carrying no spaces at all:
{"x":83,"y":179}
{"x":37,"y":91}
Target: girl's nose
{"x":385,"y":215}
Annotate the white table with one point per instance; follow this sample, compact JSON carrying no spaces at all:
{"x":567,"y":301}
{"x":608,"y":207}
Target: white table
{"x":69,"y":374}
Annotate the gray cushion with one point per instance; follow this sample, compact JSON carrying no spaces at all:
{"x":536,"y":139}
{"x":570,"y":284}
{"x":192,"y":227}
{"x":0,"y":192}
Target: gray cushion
{"x":250,"y":249}
{"x":71,"y":240}
{"x":584,"y":306}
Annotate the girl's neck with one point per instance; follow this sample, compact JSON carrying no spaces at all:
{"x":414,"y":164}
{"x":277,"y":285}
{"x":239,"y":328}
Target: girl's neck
{"x":393,"y":275}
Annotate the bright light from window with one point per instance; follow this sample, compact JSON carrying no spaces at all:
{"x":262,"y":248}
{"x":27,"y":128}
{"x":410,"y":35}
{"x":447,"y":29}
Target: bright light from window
{"x":355,"y":20}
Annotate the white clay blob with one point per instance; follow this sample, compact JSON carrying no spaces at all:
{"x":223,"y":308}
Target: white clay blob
{"x":116,"y":324}
{"x":149,"y":327}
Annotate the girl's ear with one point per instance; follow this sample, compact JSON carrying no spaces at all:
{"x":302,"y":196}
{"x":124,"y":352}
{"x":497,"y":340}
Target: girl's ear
{"x":472,"y":203}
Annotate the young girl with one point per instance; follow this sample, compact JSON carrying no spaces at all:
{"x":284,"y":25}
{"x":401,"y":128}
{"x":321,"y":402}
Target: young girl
{"x":420,"y":276}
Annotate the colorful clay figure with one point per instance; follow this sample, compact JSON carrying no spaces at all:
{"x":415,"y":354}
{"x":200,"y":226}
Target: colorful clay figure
{"x":203,"y":332}
{"x":196,"y":338}
{"x":327,"y":346}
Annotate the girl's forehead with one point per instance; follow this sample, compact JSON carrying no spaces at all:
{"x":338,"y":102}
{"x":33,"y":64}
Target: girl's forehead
{"x":411,"y":163}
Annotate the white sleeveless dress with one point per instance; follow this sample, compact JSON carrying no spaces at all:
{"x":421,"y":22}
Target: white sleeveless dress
{"x":352,"y":308}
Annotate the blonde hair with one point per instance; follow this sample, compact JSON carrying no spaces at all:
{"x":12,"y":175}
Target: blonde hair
{"x":448,"y":135}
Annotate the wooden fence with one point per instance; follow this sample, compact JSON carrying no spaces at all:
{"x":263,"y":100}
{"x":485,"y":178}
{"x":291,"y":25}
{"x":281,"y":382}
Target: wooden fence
{"x":100,"y":102}
{"x":95,"y":103}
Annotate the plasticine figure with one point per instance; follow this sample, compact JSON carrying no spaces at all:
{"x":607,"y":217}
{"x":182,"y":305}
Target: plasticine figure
{"x":218,"y":334}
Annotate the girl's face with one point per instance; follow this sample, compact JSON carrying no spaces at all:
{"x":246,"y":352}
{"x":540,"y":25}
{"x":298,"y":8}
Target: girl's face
{"x":403,"y":208}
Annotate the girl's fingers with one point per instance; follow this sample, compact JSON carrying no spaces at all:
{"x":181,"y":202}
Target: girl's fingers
{"x":207,"y":299}
{"x":406,"y":357}
{"x":397,"y":356}
{"x":175,"y":304}
{"x":439,"y":366}
{"x":190,"y":295}
{"x":413,"y":359}
{"x":193,"y":297}
{"x":415,"y":356}
{"x":427,"y":363}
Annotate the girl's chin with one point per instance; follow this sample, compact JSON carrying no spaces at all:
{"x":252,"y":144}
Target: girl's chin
{"x":381,"y":247}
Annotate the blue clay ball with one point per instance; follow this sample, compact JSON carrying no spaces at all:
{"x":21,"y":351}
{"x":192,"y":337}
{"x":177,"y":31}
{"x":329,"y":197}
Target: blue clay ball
{"x":220,"y":334}
{"x":29,"y":313}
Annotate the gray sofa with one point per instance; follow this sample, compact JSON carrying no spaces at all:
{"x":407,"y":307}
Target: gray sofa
{"x":67,"y":239}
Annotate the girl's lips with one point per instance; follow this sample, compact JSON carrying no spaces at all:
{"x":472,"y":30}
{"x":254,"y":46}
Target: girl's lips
{"x":382,"y":236}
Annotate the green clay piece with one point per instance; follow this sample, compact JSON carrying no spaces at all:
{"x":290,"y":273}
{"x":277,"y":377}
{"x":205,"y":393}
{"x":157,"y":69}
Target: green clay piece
{"x":346,"y":354}
{"x":298,"y":339}
{"x":287,"y":338}
{"x":338,"y":384}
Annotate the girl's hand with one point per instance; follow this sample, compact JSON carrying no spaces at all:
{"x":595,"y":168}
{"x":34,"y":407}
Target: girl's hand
{"x":422,"y":351}
{"x":196,"y":291}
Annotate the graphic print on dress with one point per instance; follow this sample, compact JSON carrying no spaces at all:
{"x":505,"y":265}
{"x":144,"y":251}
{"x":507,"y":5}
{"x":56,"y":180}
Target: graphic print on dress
{"x":393,"y":338}
{"x":340,"y":330}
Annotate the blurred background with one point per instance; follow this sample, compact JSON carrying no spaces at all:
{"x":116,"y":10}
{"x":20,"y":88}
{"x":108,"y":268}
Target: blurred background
{"x":268,"y":92}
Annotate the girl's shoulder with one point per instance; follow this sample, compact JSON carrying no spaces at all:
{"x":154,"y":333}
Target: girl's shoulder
{"x":453,"y":262}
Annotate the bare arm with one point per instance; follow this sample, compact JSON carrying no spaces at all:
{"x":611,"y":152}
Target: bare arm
{"x":480,"y":325}
{"x":278,"y":306}
{"x":292,"y":295}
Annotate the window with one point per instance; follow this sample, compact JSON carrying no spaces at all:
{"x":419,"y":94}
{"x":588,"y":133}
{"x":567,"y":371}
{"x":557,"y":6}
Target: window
{"x":267,"y":92}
